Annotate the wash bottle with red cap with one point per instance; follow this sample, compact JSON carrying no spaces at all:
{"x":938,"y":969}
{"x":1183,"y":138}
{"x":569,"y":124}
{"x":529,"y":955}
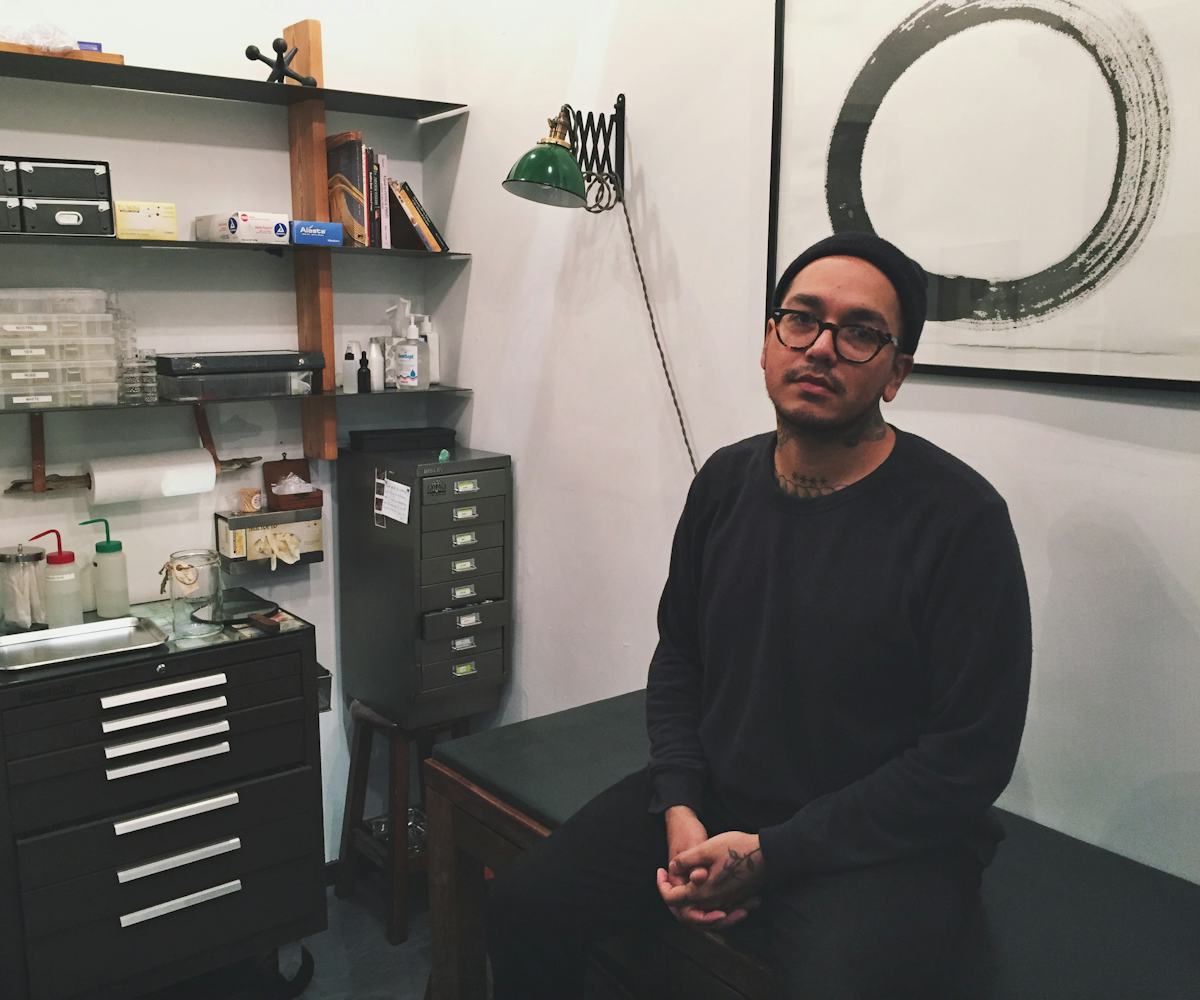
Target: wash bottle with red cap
{"x":60,"y":597}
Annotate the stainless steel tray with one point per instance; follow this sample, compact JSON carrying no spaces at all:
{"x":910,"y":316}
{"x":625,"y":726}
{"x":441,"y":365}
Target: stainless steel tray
{"x":77,"y":642}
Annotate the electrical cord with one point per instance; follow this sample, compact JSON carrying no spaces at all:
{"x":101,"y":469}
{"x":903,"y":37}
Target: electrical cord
{"x":687,"y":443}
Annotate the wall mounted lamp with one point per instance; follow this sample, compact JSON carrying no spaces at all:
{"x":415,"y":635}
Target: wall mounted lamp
{"x":580,"y":164}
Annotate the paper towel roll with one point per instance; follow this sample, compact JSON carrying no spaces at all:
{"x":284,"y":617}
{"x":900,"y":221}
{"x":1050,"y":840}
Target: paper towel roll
{"x":147,"y":477}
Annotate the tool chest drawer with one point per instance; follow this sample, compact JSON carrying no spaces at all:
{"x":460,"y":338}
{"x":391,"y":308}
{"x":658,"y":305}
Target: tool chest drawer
{"x":173,"y":928}
{"x":113,"y":703}
{"x":463,"y":513}
{"x":464,"y":486}
{"x":168,"y":827}
{"x":121,"y":786}
{"x":461,"y":566}
{"x":167,"y":875}
{"x":464,"y":621}
{"x":456,"y":594}
{"x":432,"y":650}
{"x":461,"y":541}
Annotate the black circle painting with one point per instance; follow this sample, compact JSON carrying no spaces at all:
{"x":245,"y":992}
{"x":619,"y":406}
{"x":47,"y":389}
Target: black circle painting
{"x":1118,"y":43}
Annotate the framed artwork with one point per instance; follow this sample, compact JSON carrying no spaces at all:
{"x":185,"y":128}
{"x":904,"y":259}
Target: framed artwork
{"x":1037,"y":157}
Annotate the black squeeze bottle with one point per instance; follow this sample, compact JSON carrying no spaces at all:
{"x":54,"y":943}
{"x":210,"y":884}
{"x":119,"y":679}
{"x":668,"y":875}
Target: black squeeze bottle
{"x":364,"y":374}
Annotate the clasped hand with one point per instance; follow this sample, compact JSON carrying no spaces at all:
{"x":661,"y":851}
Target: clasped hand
{"x":709,"y":881}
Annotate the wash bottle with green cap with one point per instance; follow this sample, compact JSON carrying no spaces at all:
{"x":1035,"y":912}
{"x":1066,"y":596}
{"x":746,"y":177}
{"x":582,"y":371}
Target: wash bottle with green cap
{"x":112,"y":579}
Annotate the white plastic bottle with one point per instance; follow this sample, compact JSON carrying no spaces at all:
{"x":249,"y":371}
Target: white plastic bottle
{"x":375,"y":361}
{"x":111,"y":577}
{"x":430,"y":336}
{"x":60,"y":595}
{"x":349,"y":371}
{"x":412,"y":362}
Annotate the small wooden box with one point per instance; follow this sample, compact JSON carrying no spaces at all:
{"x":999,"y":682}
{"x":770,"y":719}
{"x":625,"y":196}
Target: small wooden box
{"x":275,"y":471}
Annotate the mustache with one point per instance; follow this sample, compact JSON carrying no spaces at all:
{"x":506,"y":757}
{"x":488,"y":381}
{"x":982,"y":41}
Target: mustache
{"x":792,"y":376}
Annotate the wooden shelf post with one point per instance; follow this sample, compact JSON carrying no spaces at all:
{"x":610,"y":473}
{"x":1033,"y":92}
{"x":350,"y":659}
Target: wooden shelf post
{"x":314,"y":271}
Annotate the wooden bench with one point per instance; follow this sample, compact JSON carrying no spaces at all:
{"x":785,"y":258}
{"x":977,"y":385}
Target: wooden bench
{"x":1060,"y":919}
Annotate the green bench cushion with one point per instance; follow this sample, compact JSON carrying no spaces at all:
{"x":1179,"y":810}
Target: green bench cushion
{"x":1061,"y":919}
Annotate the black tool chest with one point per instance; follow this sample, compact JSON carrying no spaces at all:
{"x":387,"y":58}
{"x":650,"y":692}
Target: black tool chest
{"x":425,"y":603}
{"x":159,"y":816}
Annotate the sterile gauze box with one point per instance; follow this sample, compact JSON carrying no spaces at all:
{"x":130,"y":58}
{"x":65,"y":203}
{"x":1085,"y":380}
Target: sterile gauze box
{"x":324,"y":234}
{"x":242,"y":227}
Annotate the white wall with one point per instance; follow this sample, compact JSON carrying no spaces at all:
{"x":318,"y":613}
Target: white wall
{"x":549,"y":329}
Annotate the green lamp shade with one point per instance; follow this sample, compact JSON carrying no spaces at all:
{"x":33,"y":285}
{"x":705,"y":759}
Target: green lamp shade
{"x":548,"y":174}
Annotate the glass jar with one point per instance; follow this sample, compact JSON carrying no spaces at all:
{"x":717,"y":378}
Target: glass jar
{"x":194,"y":577}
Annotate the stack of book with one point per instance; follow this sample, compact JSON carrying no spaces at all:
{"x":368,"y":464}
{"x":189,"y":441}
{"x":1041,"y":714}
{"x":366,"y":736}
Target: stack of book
{"x":375,"y":210}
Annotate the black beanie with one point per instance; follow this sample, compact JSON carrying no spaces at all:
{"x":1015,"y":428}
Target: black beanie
{"x":905,"y":274}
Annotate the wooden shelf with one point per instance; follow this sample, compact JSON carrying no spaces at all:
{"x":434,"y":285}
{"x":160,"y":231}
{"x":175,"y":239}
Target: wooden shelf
{"x":276,"y":249}
{"x":221,"y":88}
{"x":340,"y":398}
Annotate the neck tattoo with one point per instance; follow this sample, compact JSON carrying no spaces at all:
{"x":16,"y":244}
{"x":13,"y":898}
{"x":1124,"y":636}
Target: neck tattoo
{"x":805,"y":487}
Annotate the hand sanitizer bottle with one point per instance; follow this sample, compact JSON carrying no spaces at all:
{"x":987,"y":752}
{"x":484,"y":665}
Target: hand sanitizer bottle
{"x":412,"y":363}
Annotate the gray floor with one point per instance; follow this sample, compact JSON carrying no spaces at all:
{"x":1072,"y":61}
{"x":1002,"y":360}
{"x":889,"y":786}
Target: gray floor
{"x":352,"y":958}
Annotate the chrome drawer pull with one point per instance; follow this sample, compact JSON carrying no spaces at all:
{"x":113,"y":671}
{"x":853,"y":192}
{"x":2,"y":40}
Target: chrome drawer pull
{"x":463,"y":566}
{"x":185,"y":811}
{"x":166,"y":739}
{"x":465,"y":513}
{"x":468,"y":620}
{"x":112,"y":774}
{"x":466,"y":590}
{"x":464,"y":669}
{"x":163,"y":714}
{"x":179,"y":860}
{"x":161,"y":691}
{"x":458,"y":645}
{"x":182,"y":903}
{"x":464,"y":538}
{"x":466,"y":486}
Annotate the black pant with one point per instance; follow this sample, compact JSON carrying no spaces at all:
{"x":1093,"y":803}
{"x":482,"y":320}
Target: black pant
{"x":880,"y":933}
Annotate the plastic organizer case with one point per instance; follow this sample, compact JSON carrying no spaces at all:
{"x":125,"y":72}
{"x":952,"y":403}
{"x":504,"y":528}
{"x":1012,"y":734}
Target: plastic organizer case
{"x":56,"y":325}
{"x":36,"y":373}
{"x":52,"y":300}
{"x":43,"y":347}
{"x":234,"y":386}
{"x":44,"y":396}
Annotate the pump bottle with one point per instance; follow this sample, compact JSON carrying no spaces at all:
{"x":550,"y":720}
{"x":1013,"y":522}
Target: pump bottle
{"x":412,"y":361}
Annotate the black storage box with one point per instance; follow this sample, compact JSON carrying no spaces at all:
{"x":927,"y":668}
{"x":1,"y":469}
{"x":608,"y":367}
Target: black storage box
{"x":235,"y":362}
{"x":8,"y":177}
{"x":403,"y":439}
{"x":10,"y":214}
{"x":86,"y":179}
{"x":67,"y":217}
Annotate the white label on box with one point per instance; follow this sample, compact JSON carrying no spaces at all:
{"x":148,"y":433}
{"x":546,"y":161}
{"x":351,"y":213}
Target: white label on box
{"x":25,"y":328}
{"x":32,"y":400}
{"x":31,"y":375}
{"x":28,"y":352}
{"x":395,"y":501}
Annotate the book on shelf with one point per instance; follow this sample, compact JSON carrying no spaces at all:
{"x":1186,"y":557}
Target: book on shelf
{"x":348,"y":186}
{"x":412,"y":229}
{"x":374,"y":163}
{"x":385,"y":215}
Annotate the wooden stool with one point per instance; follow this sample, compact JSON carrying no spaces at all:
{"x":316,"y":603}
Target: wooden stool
{"x":393,"y":858}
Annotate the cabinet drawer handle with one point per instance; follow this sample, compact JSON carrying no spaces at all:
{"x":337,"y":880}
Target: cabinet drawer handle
{"x":166,"y":739}
{"x":113,"y":773}
{"x":185,"y":811}
{"x":459,"y":645}
{"x":179,"y":860}
{"x":161,"y":691}
{"x":466,"y":513}
{"x":468,"y":620}
{"x":466,"y":486}
{"x":466,"y":590}
{"x":464,"y":538}
{"x":162,"y":715}
{"x":464,"y":669}
{"x":182,"y":903}
{"x":463,"y":566}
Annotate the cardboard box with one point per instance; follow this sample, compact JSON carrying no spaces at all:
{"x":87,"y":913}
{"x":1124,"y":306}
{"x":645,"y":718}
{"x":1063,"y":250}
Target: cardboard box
{"x":243,"y":227}
{"x":324,"y":234}
{"x":146,"y":220}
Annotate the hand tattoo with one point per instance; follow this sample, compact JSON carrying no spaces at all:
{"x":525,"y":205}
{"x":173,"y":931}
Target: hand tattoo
{"x":739,"y":866}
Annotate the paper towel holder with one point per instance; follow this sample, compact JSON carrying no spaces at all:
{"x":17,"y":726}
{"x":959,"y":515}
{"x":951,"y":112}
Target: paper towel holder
{"x":43,"y":483}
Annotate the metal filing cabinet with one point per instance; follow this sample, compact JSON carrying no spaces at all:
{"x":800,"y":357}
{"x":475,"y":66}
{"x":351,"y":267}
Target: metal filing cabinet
{"x":425,"y":592}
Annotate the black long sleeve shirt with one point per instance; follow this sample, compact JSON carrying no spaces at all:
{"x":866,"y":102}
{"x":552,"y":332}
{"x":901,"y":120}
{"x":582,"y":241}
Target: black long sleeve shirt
{"x":847,"y":675}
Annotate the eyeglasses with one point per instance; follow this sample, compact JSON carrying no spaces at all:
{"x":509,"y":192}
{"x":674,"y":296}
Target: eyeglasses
{"x":798,"y":330}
